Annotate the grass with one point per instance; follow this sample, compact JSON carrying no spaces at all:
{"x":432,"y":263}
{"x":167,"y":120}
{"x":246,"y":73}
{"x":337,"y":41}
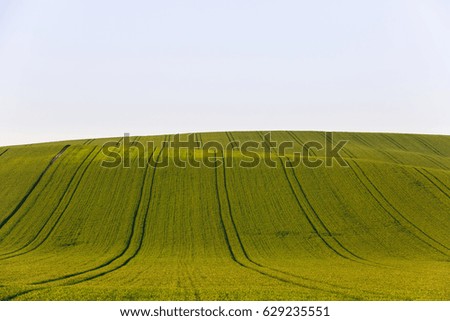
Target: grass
{"x":376,"y":230}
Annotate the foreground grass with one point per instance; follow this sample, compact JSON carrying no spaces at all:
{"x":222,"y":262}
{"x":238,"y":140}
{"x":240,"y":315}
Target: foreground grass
{"x":376,"y":230}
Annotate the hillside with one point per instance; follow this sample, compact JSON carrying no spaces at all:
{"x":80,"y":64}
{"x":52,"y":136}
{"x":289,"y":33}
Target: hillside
{"x":377,"y":229}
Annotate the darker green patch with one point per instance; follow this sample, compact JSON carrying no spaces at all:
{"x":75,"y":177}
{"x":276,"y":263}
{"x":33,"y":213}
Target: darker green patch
{"x":282,"y":234}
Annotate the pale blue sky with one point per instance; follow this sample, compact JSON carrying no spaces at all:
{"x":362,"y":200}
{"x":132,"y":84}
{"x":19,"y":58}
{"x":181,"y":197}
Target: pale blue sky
{"x":83,"y":69}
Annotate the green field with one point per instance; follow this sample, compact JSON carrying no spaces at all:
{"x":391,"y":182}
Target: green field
{"x":378,"y":229}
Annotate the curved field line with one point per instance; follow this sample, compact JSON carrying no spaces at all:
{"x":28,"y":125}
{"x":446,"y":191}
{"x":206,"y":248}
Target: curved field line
{"x":140,"y":240}
{"x":303,"y":210}
{"x":343,"y":251}
{"x":25,"y":212}
{"x":363,"y":141}
{"x":430,"y":147}
{"x":391,"y":157}
{"x":234,"y":228}
{"x":133,"y":232}
{"x":13,"y":296}
{"x":32,"y":188}
{"x":119,"y":141}
{"x":66,"y":205}
{"x":9,"y":255}
{"x":394,"y":142}
{"x":388,"y":155}
{"x":258,"y":265}
{"x":232,"y":140}
{"x":311,"y":223}
{"x":2,"y":153}
{"x":397,"y":211}
{"x":353,"y":257}
{"x":134,"y":228}
{"x":323,"y":283}
{"x":432,"y":180}
{"x":222,"y":224}
{"x":349,"y":153}
{"x":380,"y":199}
{"x":424,"y":156}
{"x":299,"y":141}
{"x":251,"y":264}
{"x":435,"y":162}
{"x":436,"y":178}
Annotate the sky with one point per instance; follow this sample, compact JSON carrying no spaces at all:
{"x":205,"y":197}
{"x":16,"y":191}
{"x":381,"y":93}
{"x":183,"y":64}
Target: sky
{"x":86,"y":69}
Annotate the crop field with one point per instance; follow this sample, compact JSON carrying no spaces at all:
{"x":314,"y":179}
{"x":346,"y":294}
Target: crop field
{"x":377,"y":229}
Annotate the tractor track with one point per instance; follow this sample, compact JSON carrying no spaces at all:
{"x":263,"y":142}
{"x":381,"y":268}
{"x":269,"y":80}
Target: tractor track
{"x":134,"y":227}
{"x":2,"y":153}
{"x":55,"y":209}
{"x":437,"y":179}
{"x":134,"y":252}
{"x":299,"y":141}
{"x":15,"y":223}
{"x":435,"y":162}
{"x":233,"y":141}
{"x":341,"y":250}
{"x":119,"y":142}
{"x":432,"y":180}
{"x":429,"y":146}
{"x":229,"y":223}
{"x":33,"y":187}
{"x":285,"y":276}
{"x":363,"y":141}
{"x":394,"y":142}
{"x":370,"y":187}
{"x":249,"y":263}
{"x":350,"y":255}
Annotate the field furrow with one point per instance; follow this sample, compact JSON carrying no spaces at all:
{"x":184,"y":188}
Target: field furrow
{"x":394,"y":142}
{"x":43,"y":190}
{"x":52,"y":221}
{"x":3,"y":152}
{"x":395,"y":214}
{"x":32,"y":188}
{"x":163,"y":225}
{"x":129,"y":252}
{"x":429,"y":146}
{"x":134,"y":242}
{"x":316,"y":222}
{"x":435,"y":162}
{"x":435,"y":181}
{"x":239,"y":254}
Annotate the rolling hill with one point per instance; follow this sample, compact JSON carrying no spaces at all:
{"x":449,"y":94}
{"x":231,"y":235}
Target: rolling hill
{"x":375,"y":229}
